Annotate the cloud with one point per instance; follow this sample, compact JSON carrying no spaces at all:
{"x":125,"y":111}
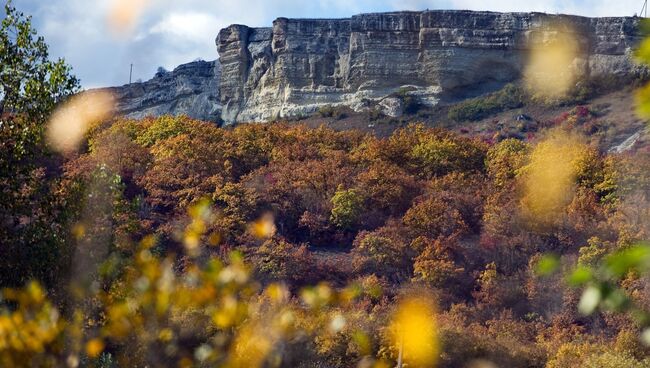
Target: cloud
{"x":170,"y":32}
{"x":578,"y":7}
{"x":185,"y":26}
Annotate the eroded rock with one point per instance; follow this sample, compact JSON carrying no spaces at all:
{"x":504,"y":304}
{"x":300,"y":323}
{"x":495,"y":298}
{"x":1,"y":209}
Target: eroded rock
{"x":191,"y":89}
{"x":298,"y":65}
{"x":392,"y":106}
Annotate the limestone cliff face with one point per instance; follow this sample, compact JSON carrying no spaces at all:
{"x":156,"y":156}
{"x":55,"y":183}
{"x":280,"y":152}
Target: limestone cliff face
{"x":191,"y":89}
{"x":300,"y":64}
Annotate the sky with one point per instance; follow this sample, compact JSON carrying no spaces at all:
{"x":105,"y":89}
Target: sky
{"x":166,"y":33}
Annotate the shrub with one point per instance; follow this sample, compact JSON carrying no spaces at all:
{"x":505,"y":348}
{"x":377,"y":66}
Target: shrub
{"x":163,"y":128}
{"x":505,"y":159}
{"x":383,"y":255}
{"x":411,"y":104}
{"x":510,"y":97}
{"x":336,"y":112}
{"x":438,"y":154}
{"x":347,"y":205}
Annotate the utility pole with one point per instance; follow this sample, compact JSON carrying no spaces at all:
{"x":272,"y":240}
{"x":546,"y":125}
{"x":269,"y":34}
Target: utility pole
{"x":644,"y":10}
{"x":131,"y":72}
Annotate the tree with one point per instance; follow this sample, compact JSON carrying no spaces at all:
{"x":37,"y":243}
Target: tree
{"x":433,"y":217}
{"x":381,"y":254}
{"x":31,"y":217}
{"x":30,"y":84}
{"x":435,"y":264}
{"x":280,"y":261}
{"x":185,"y":170}
{"x":504,"y":159}
{"x":300,"y":190}
{"x":347,"y":205}
{"x":238,"y":205}
{"x":439,"y":153}
{"x":161,"y":71}
{"x":164,"y":127}
{"x":388,"y":188}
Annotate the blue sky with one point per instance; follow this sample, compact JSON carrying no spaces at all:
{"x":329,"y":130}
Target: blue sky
{"x":171,"y":32}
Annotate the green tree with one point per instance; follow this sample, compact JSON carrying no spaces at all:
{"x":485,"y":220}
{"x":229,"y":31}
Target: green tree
{"x":31,"y":85}
{"x":381,"y":255}
{"x":347,"y":206}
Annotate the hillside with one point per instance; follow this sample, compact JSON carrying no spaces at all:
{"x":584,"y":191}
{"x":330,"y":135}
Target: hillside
{"x":610,"y":121}
{"x":445,"y":189}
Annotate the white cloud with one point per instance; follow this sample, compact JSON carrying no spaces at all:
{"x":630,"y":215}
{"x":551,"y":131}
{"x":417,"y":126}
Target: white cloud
{"x":185,"y":26}
{"x":577,"y":7}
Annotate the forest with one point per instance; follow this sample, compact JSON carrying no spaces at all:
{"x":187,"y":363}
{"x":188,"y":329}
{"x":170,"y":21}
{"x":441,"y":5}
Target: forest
{"x":167,"y":241}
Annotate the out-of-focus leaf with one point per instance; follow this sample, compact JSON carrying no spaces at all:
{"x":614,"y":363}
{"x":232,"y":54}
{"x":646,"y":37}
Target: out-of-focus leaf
{"x":645,"y":337}
{"x":643,"y":52}
{"x":590,"y":299}
{"x":547,"y":265}
{"x":362,"y":341}
{"x":642,"y":96}
{"x":94,"y":347}
{"x":621,"y":263}
{"x":414,"y":330}
{"x":580,"y":276}
{"x":616,"y":300}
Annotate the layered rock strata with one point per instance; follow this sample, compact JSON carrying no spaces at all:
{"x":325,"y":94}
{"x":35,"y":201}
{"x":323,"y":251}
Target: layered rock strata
{"x":299,"y":65}
{"x":191,"y":89}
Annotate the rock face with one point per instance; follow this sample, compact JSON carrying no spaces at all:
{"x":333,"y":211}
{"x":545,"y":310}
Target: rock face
{"x":191,"y":89}
{"x":298,"y":65}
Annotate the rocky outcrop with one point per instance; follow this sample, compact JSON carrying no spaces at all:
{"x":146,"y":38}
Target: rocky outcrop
{"x":191,"y":89}
{"x":298,"y":65}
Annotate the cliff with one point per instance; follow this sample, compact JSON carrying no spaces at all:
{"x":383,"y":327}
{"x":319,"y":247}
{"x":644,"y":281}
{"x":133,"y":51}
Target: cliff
{"x":297,"y":65}
{"x":191,"y":89}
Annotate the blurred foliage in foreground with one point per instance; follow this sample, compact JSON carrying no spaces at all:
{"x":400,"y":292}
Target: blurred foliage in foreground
{"x":207,"y":313}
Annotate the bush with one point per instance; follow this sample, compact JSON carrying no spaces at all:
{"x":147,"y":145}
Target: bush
{"x":163,"y":128}
{"x":437,"y":154}
{"x":383,"y":255}
{"x":336,"y":112}
{"x":510,"y":97}
{"x":347,"y":206}
{"x":411,"y":104}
